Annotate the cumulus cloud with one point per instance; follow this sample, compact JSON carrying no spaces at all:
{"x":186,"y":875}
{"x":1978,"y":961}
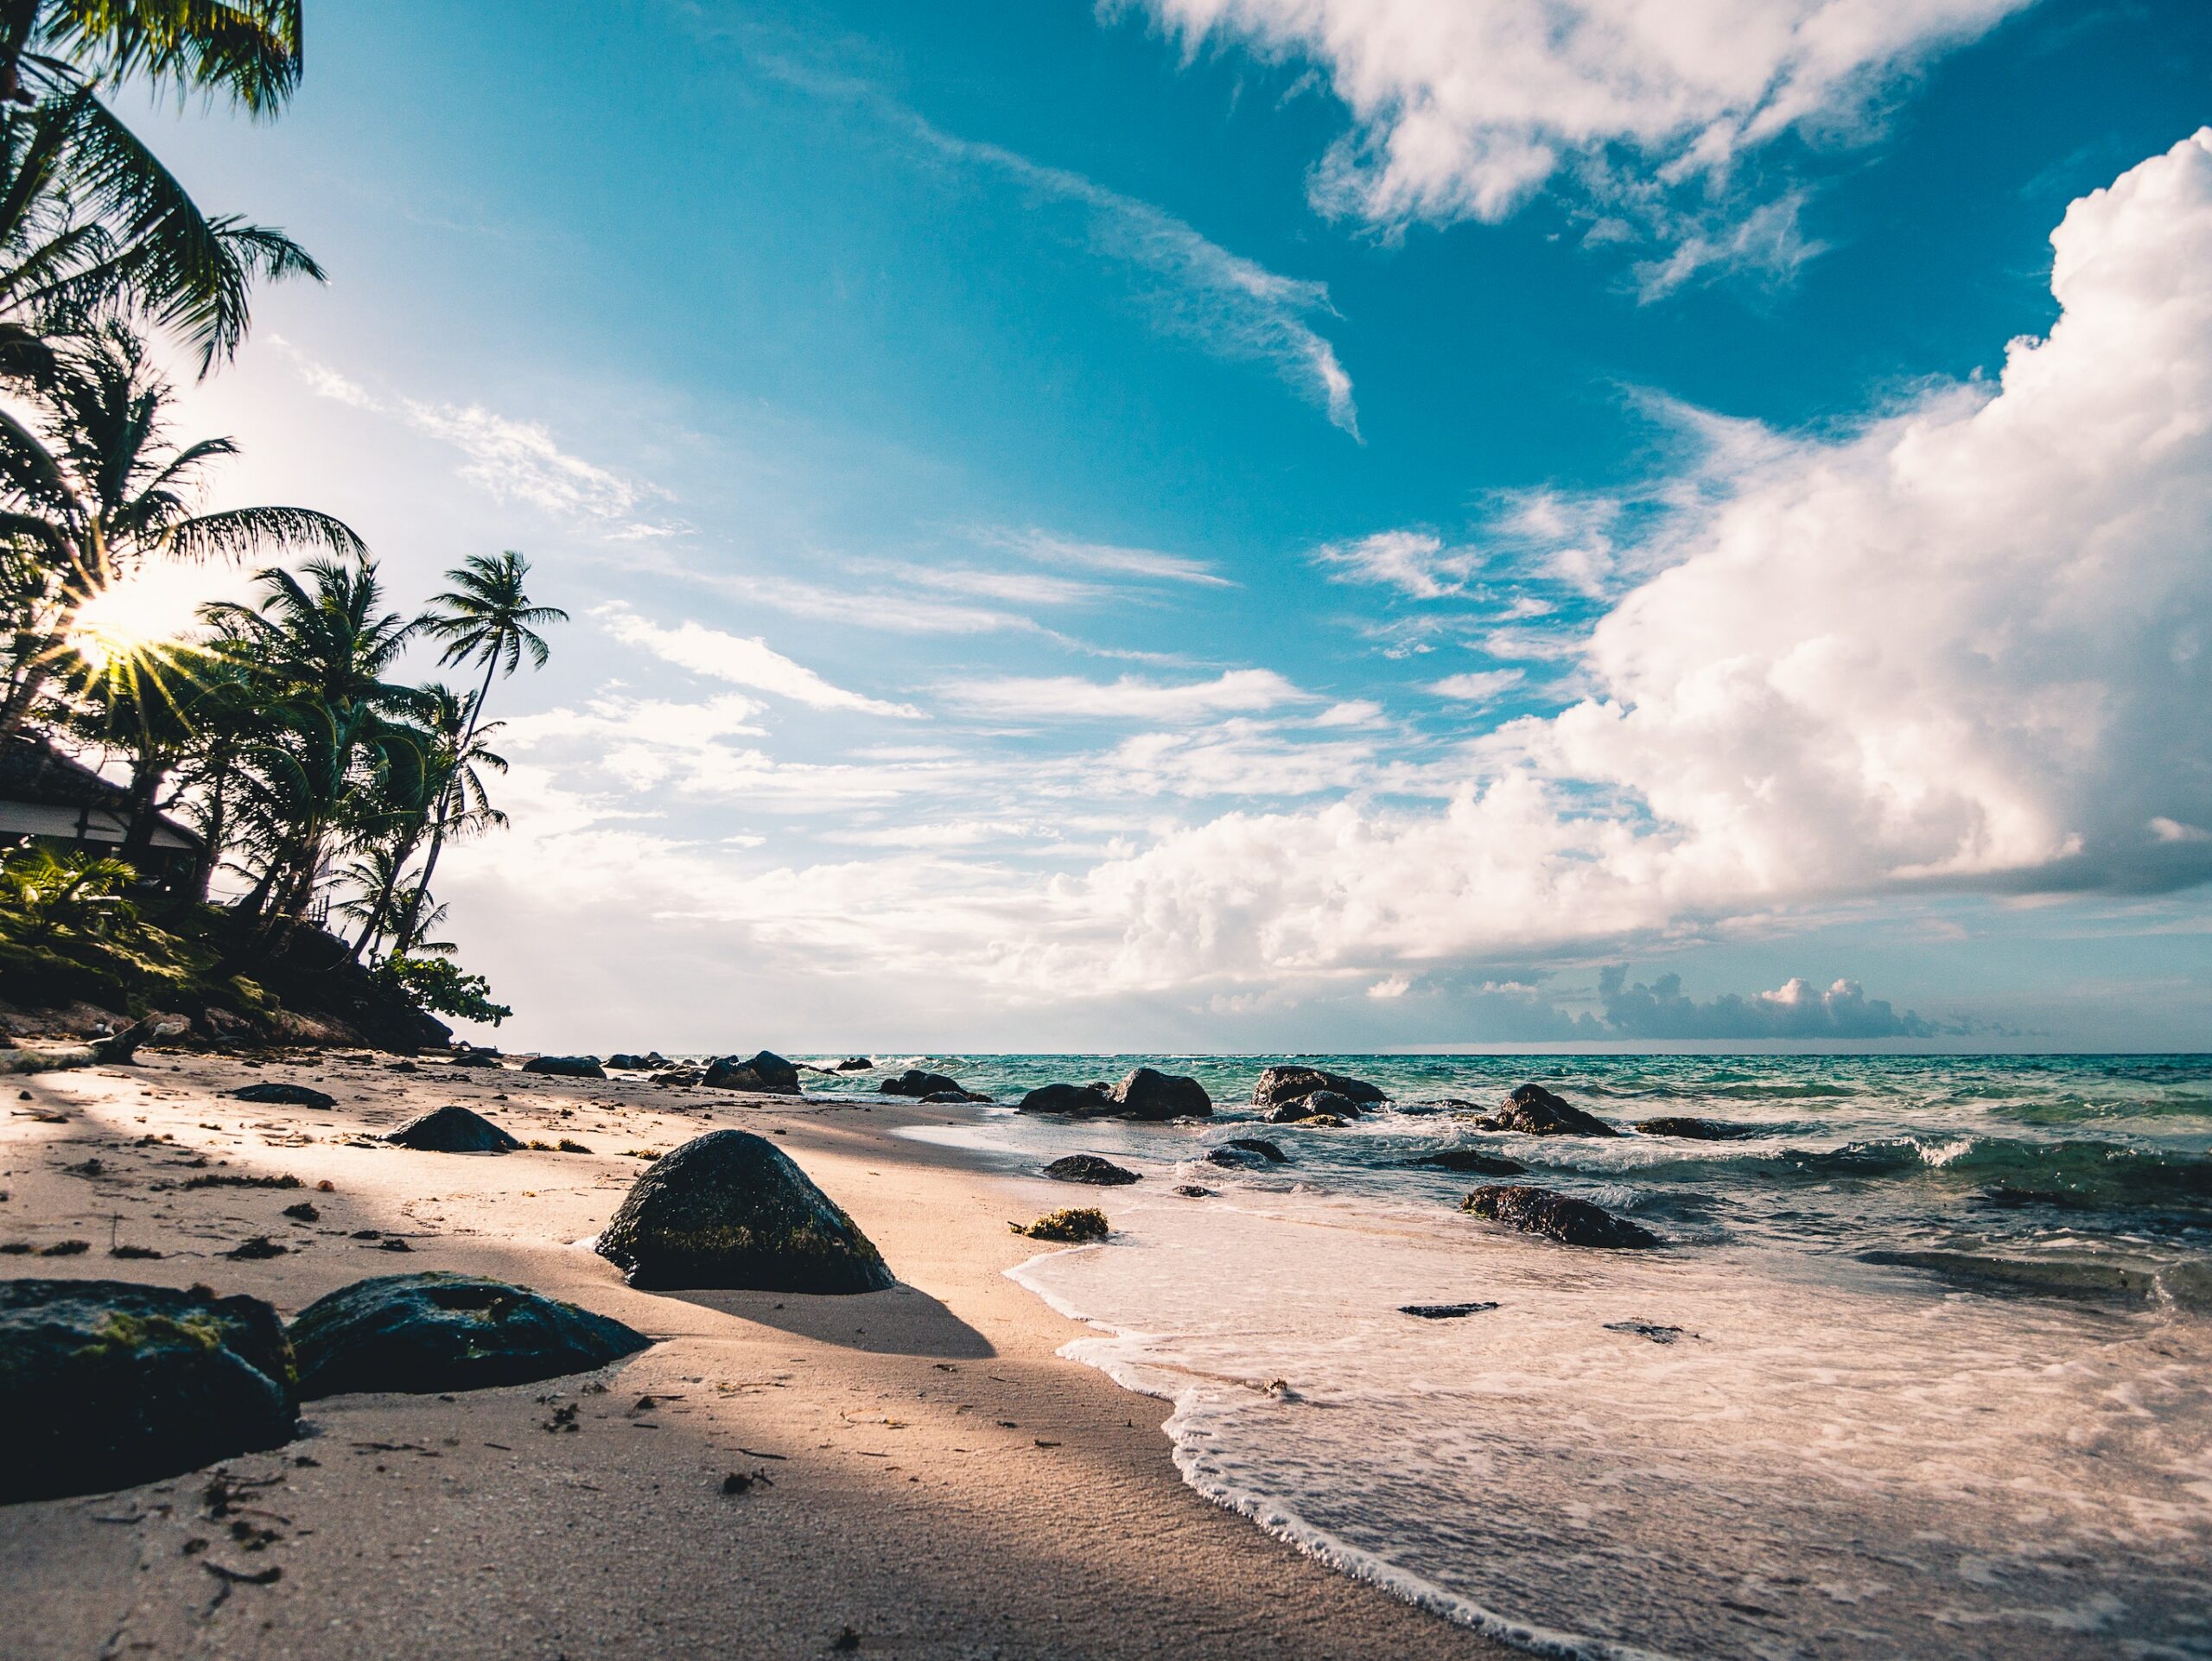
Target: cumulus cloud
{"x":1464,"y":110}
{"x":1066,"y":697}
{"x":742,"y":662}
{"x":1794,"y":1010}
{"x":1965,"y":646}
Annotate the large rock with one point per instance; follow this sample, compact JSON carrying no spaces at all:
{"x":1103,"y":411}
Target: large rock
{"x":1320,"y":1104}
{"x":766,"y":1071}
{"x":915,"y":1081}
{"x":1089,"y":1167}
{"x":453,"y":1129}
{"x":853,"y":1064}
{"x":105,"y":1384}
{"x":1281,"y":1086}
{"x":1535,"y":1111}
{"x":1080,"y":1101}
{"x":276,"y":1095}
{"x":729,"y":1209}
{"x":1556,"y":1216}
{"x":625,"y":1062}
{"x":566,"y":1066}
{"x":474,"y":1057}
{"x":438,"y":1331}
{"x":1147,"y":1093}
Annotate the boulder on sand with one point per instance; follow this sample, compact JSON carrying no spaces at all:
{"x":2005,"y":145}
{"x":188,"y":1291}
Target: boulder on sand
{"x":1556,"y":1216}
{"x":276,"y":1095}
{"x":626,"y":1062}
{"x":437,"y":1331}
{"x":474,"y":1057}
{"x":729,"y":1209}
{"x":915,"y":1081}
{"x":1535,"y":1111}
{"x":566,"y":1066}
{"x":766,"y":1072}
{"x":1317,"y":1105}
{"x":1278,"y":1086}
{"x":105,"y":1384}
{"x":1089,"y":1167}
{"x":453,"y":1129}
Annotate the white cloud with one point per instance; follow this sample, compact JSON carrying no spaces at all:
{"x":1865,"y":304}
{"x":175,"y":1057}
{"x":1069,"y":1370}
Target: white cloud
{"x":1415,"y":563}
{"x":1464,"y":109}
{"x":1965,"y":646}
{"x":1106,"y":556}
{"x":1478,"y":686}
{"x":1066,"y":697}
{"x":743,"y":662}
{"x":511,"y":461}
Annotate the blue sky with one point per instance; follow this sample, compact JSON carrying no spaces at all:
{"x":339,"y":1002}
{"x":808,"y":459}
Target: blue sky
{"x":1166,"y":526}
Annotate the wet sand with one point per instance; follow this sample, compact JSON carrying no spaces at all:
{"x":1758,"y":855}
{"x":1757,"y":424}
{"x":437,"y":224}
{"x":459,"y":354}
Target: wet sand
{"x":933,"y":1480}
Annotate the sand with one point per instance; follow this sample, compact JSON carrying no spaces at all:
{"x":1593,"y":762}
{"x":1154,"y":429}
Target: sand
{"x":934,"y":1480}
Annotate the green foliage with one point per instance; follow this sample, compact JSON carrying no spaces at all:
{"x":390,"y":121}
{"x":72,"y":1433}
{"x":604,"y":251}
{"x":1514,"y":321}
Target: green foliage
{"x":45,"y":893}
{"x":442,"y":987}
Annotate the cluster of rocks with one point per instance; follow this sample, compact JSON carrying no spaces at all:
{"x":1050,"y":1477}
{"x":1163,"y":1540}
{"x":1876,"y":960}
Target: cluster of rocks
{"x":1145,"y":1093}
{"x":765,"y":1073}
{"x":923,"y":1085}
{"x":1313,"y":1097}
{"x":105,"y":1384}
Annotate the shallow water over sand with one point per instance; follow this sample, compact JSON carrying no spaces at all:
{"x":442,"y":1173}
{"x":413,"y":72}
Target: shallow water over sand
{"x":1995,"y":1440}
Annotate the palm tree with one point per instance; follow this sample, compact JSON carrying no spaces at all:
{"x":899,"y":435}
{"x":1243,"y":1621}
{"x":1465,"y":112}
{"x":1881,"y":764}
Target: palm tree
{"x":322,"y":650}
{"x":144,"y":700}
{"x":486,"y":618}
{"x":450,"y":799}
{"x":247,"y":49}
{"x":87,"y":213}
{"x":99,"y":489}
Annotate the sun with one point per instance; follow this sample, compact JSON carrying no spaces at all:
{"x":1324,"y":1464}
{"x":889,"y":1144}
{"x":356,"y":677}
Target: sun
{"x":127,"y":619}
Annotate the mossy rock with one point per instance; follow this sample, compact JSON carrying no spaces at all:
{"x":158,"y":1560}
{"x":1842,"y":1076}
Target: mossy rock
{"x":1557,"y":1217}
{"x":106,"y":1384}
{"x":441,"y":1332}
{"x":730,"y":1209}
{"x":1077,"y":1225}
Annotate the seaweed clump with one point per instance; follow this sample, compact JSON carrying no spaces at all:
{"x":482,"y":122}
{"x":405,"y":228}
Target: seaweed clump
{"x":1075,"y":1225}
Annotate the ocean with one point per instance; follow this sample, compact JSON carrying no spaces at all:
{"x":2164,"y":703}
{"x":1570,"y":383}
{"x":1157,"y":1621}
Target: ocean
{"x":1921,"y":1368}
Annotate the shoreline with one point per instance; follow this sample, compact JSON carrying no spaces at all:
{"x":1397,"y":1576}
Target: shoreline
{"x":940,"y":1481}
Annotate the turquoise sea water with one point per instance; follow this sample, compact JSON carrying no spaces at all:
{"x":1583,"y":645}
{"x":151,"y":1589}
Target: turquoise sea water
{"x":1922,"y":1369}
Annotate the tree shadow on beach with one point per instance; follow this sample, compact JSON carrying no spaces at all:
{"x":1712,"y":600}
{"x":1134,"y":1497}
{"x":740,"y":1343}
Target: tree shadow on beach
{"x":899,"y":1321}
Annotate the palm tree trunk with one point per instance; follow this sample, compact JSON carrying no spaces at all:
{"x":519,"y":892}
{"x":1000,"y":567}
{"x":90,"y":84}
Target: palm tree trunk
{"x":403,"y":936}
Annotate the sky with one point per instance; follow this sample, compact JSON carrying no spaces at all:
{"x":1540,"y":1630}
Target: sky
{"x":1283,"y":525}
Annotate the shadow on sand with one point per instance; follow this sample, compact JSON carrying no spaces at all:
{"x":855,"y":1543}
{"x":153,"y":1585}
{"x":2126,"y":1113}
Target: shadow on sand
{"x":899,"y":1321}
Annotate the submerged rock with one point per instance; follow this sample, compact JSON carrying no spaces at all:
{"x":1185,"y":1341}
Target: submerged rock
{"x":454,"y":1130}
{"x":916,"y":1082}
{"x":1301,"y":1117}
{"x":1192,"y":1191}
{"x":1147,"y":1093}
{"x":1651,"y":1329}
{"x":1535,"y":1111}
{"x":1556,"y":1216}
{"x":729,"y":1209}
{"x":2056,"y":1277}
{"x":1079,"y":1101}
{"x":766,"y":1072}
{"x":1246,"y":1153}
{"x":1089,"y":1167}
{"x":1266,"y":1150}
{"x":437,"y":1331}
{"x":1280,"y":1085}
{"x":1471,"y":1161}
{"x":566,"y":1066}
{"x":1697,"y":1129}
{"x":105,"y":1384}
{"x":853,"y":1064}
{"x":276,"y":1095}
{"x":1320,"y":1104}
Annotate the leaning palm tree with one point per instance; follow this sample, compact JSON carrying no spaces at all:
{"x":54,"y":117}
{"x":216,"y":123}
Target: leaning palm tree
{"x":97,"y":489}
{"x":486,"y":618}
